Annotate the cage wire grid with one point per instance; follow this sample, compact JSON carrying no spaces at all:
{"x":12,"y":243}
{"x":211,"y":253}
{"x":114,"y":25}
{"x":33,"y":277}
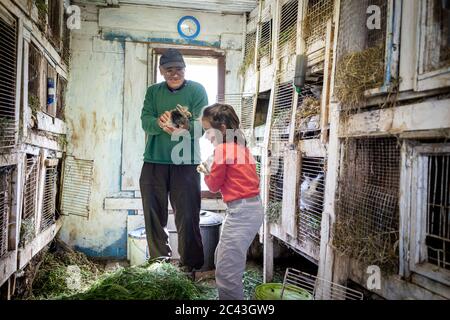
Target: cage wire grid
{"x":278,"y":139}
{"x":27,"y":226}
{"x":5,"y":207}
{"x":265,"y":44}
{"x":8,"y":62}
{"x":361,"y":52}
{"x":76,"y":188}
{"x":308,"y":111}
{"x":30,"y":189}
{"x":249,"y":45}
{"x":49,"y":199}
{"x":288,"y":28}
{"x":438,"y":211}
{"x":311,"y":199}
{"x":242,"y":104}
{"x":320,"y":289}
{"x":314,"y":24}
{"x":367,"y":208}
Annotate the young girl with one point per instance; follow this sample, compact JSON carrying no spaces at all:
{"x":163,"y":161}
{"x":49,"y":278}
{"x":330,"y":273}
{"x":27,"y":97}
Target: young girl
{"x":233,"y":173}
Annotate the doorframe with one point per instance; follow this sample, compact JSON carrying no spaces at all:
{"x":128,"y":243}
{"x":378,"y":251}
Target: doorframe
{"x":207,"y":52}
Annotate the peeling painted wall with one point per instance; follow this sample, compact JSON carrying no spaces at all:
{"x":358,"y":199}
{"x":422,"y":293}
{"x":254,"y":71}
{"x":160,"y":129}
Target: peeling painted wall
{"x":95,"y":106}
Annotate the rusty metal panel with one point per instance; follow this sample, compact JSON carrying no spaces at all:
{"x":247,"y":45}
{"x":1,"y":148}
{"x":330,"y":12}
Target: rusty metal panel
{"x":77,"y":187}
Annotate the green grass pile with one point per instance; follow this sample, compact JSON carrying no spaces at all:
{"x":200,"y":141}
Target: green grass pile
{"x":158,"y":281}
{"x":54,"y":275}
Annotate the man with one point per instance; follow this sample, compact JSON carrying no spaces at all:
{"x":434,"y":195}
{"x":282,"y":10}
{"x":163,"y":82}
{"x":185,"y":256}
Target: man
{"x":161,"y":176}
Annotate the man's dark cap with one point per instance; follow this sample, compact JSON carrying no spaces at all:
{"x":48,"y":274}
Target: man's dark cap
{"x":172,"y":58}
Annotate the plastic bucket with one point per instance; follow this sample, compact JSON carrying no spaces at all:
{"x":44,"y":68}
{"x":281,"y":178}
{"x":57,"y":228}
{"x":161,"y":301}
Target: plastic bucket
{"x":138,"y":247}
{"x":272,"y":291}
{"x":210,"y":224}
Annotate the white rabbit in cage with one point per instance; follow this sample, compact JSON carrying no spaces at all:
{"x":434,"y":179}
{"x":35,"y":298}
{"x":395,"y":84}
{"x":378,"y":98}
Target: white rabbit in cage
{"x":309,"y":192}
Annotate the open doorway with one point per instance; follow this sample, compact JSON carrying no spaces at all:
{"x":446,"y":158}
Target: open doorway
{"x":208,"y":70}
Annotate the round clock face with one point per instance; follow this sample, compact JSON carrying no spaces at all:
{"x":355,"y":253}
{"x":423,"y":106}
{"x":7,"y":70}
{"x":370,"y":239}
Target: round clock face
{"x":188,"y":27}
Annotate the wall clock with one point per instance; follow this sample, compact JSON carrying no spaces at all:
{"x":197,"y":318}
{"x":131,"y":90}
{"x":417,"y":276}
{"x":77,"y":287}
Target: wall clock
{"x":189,"y":27}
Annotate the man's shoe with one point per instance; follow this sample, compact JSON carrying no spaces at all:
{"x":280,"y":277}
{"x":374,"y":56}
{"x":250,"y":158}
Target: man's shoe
{"x":188,"y":271}
{"x":161,"y":259}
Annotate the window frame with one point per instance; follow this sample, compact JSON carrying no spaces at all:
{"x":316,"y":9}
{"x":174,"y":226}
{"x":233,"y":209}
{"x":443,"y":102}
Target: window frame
{"x":413,"y":212}
{"x":432,"y":79}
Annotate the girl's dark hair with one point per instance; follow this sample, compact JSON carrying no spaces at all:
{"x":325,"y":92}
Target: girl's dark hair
{"x":223,"y":114}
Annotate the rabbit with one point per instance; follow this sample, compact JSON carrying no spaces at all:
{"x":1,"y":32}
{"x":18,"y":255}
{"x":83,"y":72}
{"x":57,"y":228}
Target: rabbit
{"x":205,"y":166}
{"x":309,"y":191}
{"x":180,"y":117}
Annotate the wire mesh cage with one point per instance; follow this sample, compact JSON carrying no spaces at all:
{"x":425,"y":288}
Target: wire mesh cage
{"x":311,"y":199}
{"x":35,"y":64}
{"x":307,"y":116}
{"x":249,"y":46}
{"x":48,"y":217}
{"x":367,"y":208}
{"x":437,"y":235}
{"x":437,"y":36}
{"x":27,"y":226}
{"x":5,"y":206}
{"x":265,"y":43}
{"x":8,"y":77}
{"x":314,"y":25}
{"x":243,"y":105}
{"x":360,"y":51}
{"x":276,"y":180}
{"x":282,"y":115}
{"x":318,"y":288}
{"x":76,"y":188}
{"x":287,"y":38}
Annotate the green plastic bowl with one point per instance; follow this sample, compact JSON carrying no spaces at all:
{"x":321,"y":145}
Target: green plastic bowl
{"x":272,"y":291}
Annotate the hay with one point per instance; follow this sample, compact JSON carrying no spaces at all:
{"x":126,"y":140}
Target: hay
{"x":370,"y":249}
{"x":34,"y":104}
{"x":157,"y":281}
{"x":309,"y":107}
{"x":357,"y":72}
{"x":52,"y":277}
{"x":27,"y":231}
{"x":273,"y":211}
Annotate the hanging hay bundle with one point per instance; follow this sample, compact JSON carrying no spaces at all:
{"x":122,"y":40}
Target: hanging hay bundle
{"x":27,"y":231}
{"x":274,"y":211}
{"x":357,"y":72}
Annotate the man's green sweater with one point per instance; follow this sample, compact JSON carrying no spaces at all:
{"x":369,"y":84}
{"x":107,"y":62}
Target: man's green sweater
{"x":160,"y":99}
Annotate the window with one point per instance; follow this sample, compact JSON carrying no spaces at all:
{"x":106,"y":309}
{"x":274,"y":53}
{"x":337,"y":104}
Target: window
{"x":429,"y":199}
{"x":434,"y":52}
